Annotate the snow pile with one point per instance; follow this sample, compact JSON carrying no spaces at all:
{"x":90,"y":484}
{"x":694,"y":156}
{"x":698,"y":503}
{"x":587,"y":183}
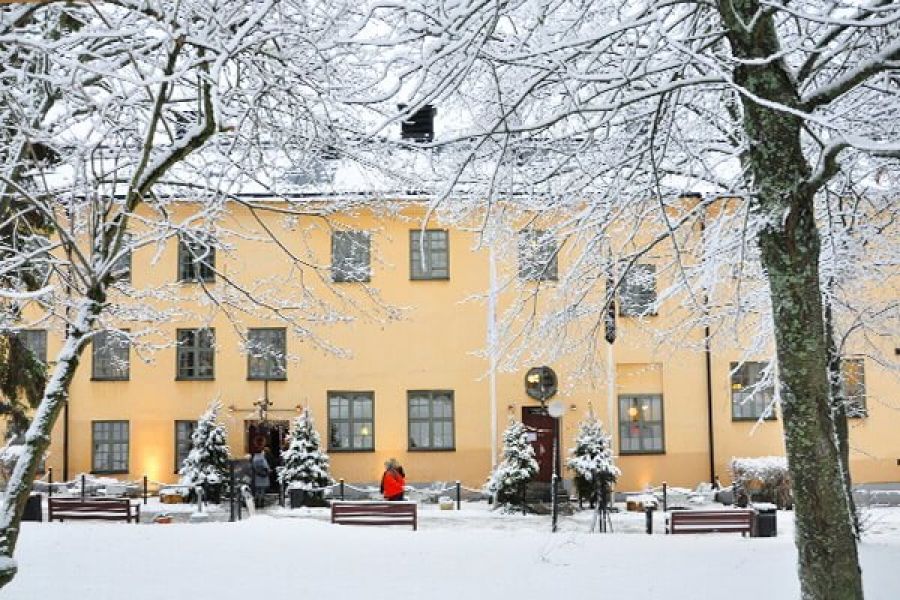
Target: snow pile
{"x":305,"y":467}
{"x":518,"y":467}
{"x":208,"y":461}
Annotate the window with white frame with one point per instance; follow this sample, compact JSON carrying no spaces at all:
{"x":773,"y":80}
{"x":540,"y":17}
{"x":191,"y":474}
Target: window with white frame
{"x":641,"y":428}
{"x":752,"y":391}
{"x":538,"y":252}
{"x":350,"y":256}
{"x":637,"y":294}
{"x":110,"y":447}
{"x":853,"y":385}
{"x":195,"y":353}
{"x":350,"y":421}
{"x":110,"y":352}
{"x":431,"y":420}
{"x":429,"y":252}
{"x":196,"y":259}
{"x":266,"y":349}
{"x":183,"y":442}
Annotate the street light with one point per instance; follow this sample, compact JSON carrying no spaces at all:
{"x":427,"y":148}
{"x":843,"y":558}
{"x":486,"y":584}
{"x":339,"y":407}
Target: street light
{"x":555,"y":409}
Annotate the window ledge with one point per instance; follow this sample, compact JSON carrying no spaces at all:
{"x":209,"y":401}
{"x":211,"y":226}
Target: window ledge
{"x":349,"y":450}
{"x":195,"y":378}
{"x":110,"y":378}
{"x":751,"y":419}
{"x":267,"y":378}
{"x":453,"y":449}
{"x":640,"y":452}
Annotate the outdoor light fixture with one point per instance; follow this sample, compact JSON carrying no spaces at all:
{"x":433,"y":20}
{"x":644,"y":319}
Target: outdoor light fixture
{"x":632,"y":412}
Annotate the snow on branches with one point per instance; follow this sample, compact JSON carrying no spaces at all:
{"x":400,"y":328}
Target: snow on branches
{"x":518,"y":467}
{"x":207,"y":463}
{"x":305,"y":467}
{"x":591,"y":459}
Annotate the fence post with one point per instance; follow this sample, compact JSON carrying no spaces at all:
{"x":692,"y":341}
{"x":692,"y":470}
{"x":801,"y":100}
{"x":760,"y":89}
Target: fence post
{"x":145,"y":489}
{"x":281,"y":494}
{"x":342,"y":489}
{"x":233,"y":493}
{"x":665,"y":496}
{"x":82,"y":486}
{"x":648,"y":511}
{"x":458,"y":496}
{"x":49,"y":482}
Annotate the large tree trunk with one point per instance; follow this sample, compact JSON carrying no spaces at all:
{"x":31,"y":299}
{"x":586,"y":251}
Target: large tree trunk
{"x":790,"y":248}
{"x":37,"y":438}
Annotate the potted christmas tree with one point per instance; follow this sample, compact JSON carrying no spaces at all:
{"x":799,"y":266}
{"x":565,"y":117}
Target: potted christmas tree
{"x":508,"y":481}
{"x":305,"y":472}
{"x":207,"y":463}
{"x":592,"y":462}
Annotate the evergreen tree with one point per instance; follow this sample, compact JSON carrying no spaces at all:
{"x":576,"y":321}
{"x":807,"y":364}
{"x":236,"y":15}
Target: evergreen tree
{"x":207,"y":463}
{"x":305,"y":467}
{"x":518,"y":467}
{"x":592,"y":461}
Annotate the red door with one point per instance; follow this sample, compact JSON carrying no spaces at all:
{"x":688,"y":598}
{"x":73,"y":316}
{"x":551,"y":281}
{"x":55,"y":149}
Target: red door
{"x":540,"y":426}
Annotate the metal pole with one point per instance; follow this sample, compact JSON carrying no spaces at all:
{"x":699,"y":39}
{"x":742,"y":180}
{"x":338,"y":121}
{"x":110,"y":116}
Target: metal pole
{"x":145,"y":489}
{"x":458,"y":496}
{"x":665,"y":496}
{"x":49,"y":482}
{"x":234,"y":490}
{"x":648,"y":512}
{"x":342,"y":489}
{"x":82,"y":487}
{"x":554,"y":482}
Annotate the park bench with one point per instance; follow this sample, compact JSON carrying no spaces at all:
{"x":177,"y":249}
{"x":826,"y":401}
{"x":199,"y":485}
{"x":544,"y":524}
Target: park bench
{"x":374,"y":513}
{"x":709,"y":521}
{"x":107,"y":509}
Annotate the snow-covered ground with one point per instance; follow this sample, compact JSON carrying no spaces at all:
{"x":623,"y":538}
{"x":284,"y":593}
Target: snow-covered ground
{"x":473,"y":554}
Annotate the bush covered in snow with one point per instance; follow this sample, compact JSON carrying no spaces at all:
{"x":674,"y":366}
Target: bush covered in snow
{"x":305,"y":467}
{"x":207,"y":464}
{"x":592,"y":461}
{"x":518,"y":467}
{"x":767,"y":477}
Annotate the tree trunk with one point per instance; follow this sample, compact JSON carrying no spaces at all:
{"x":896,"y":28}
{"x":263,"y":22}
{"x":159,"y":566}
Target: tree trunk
{"x":790,"y":248}
{"x":37,"y":438}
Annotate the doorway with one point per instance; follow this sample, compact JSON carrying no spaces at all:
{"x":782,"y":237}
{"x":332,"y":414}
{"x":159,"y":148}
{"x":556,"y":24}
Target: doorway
{"x":260,"y":434}
{"x":540,"y":429}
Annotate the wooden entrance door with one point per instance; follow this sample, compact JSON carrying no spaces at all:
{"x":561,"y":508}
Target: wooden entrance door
{"x":540,"y":426}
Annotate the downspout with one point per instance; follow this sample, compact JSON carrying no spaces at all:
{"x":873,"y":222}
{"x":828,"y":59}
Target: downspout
{"x":492,"y":350}
{"x":709,"y":405}
{"x":707,"y":351}
{"x":66,"y":440}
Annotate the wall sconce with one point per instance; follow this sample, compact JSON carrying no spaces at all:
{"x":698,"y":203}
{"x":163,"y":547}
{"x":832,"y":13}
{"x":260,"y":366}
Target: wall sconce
{"x":573,"y":408}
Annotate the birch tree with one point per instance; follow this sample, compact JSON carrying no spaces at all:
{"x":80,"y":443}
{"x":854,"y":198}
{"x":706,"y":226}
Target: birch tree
{"x":601,"y":116}
{"x":117,"y":114}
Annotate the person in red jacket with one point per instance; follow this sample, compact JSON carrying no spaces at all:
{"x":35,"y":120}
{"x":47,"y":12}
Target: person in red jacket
{"x":393,"y":481}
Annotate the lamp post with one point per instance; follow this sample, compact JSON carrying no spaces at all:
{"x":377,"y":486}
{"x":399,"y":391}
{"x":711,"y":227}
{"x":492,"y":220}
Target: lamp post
{"x":556,"y":409}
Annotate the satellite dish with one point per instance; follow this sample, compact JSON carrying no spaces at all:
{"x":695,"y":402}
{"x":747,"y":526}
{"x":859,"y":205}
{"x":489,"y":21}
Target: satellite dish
{"x":556,"y":409}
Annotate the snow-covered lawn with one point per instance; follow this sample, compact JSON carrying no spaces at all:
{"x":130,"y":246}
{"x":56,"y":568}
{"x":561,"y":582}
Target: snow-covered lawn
{"x":472,"y":554}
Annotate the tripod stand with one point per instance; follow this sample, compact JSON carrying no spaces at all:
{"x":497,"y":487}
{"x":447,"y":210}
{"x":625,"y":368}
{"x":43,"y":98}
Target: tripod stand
{"x":602,"y":519}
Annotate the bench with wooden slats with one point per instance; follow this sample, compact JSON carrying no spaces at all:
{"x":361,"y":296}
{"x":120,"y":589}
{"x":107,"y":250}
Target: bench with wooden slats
{"x":374,"y":513}
{"x":710,"y":521}
{"x":107,"y":509}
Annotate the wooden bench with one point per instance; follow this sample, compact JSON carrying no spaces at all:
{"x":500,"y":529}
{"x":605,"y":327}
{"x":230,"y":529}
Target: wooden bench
{"x":374,"y":513}
{"x":107,"y":509}
{"x":709,"y":521}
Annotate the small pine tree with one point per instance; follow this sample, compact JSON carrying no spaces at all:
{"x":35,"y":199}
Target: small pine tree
{"x":208,"y":461}
{"x":518,"y":467}
{"x":592,"y":461}
{"x":305,"y":467}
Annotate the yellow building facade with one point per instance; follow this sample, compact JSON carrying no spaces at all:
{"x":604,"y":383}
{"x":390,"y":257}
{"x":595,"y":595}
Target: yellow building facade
{"x":407,"y":377}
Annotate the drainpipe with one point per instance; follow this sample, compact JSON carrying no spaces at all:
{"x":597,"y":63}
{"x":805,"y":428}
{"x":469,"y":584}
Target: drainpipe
{"x":492,"y":349}
{"x":66,"y":440}
{"x":709,"y":405}
{"x":707,"y":351}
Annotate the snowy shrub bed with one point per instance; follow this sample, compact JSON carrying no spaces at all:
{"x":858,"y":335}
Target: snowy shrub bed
{"x":767,"y":477}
